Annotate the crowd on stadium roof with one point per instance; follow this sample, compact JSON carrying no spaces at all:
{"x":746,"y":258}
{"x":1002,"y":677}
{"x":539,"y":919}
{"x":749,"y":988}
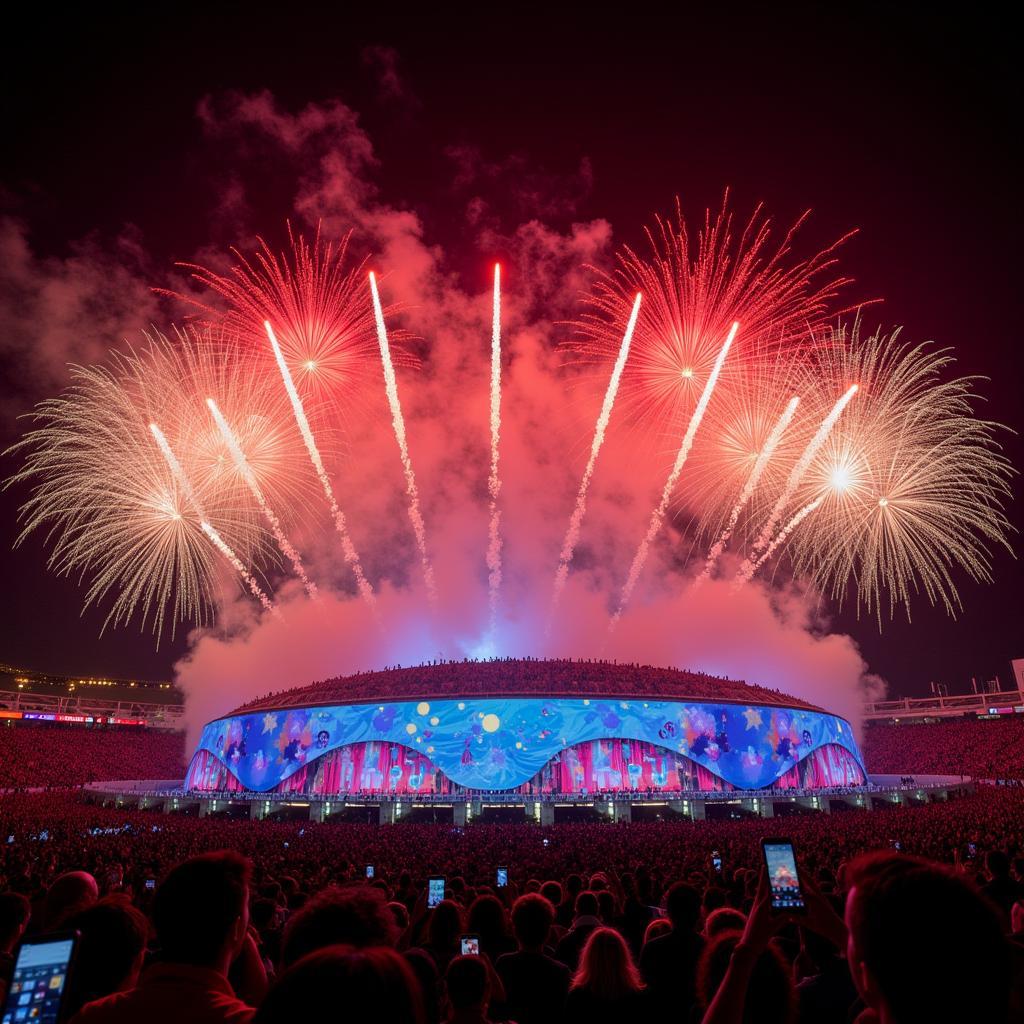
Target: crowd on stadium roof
{"x":524,"y":676}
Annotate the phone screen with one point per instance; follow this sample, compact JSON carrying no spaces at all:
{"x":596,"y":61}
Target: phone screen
{"x":716,"y":861}
{"x":369,"y":871}
{"x":39,"y":981}
{"x":435,"y":891}
{"x":150,"y":883}
{"x":470,"y":945}
{"x":782,"y":875}
{"x":502,"y":877}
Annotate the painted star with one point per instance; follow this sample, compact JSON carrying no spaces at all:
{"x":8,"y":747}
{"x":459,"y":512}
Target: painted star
{"x":269,"y":723}
{"x":753,"y":718}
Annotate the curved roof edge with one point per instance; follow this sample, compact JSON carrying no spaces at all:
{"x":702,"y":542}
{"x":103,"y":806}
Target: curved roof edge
{"x":524,"y":677}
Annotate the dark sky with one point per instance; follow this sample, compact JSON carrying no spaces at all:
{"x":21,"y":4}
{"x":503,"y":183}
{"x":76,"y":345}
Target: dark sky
{"x":903,"y":124}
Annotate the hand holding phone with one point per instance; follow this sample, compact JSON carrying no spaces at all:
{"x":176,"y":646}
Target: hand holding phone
{"x":783,"y":876}
{"x":40,"y":979}
{"x":470,"y":945}
{"x":502,"y":878}
{"x":369,"y":871}
{"x":435,"y":891}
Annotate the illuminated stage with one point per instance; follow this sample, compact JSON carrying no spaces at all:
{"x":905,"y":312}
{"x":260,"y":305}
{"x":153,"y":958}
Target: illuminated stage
{"x":622,"y":731}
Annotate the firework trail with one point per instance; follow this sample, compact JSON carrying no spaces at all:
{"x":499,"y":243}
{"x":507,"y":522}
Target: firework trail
{"x":347,"y":547}
{"x":572,"y":534}
{"x":493,"y":481}
{"x":398,"y":423}
{"x":749,"y":566}
{"x":658,"y":516}
{"x":780,"y":538}
{"x":222,"y":547}
{"x":748,"y":488}
{"x":253,"y":484}
{"x":185,"y":484}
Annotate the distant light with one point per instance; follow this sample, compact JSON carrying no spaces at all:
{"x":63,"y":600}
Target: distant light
{"x":687,"y":373}
{"x":310,"y":364}
{"x":883,"y":502}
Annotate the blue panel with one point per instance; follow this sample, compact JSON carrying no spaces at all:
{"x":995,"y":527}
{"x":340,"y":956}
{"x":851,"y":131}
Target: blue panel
{"x":495,"y":743}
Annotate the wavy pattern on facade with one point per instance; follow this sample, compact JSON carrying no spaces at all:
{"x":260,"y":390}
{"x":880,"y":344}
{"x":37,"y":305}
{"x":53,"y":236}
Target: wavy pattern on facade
{"x":536,"y":745}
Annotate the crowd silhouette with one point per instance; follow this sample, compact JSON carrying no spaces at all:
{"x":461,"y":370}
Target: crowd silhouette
{"x":212,"y":919}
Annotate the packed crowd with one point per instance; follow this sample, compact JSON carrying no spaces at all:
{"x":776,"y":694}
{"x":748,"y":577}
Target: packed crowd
{"x":43,"y":755}
{"x":526,"y":677}
{"x":981,"y":748}
{"x":597,"y":921}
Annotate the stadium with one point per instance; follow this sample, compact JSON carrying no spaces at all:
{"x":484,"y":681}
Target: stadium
{"x":532,"y":736}
{"x":526,"y":727}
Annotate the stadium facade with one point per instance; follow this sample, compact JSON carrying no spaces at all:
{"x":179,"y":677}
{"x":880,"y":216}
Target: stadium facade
{"x":535,"y":728}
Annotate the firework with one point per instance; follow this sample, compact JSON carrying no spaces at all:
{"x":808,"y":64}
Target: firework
{"x":693,"y":291}
{"x":796,"y":476}
{"x":238,"y":456}
{"x":183,"y":481}
{"x":341,"y":526}
{"x":572,"y":534}
{"x":658,"y":516}
{"x":913,"y":482}
{"x":155,"y":474}
{"x":398,"y":424}
{"x":315,"y":302}
{"x":113,"y":513}
{"x":761,"y":462}
{"x":493,"y":481}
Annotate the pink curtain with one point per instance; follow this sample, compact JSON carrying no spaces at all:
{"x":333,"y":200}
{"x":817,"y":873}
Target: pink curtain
{"x":830,"y":765}
{"x":376,"y":767}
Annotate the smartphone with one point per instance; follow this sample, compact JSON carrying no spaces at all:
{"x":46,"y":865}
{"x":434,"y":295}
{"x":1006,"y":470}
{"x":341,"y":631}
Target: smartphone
{"x":546,"y":841}
{"x":783,"y":876}
{"x":470,"y":945}
{"x":150,"y":883}
{"x":369,"y":871}
{"x":897,"y":845}
{"x":502,"y":879}
{"x":40,"y":979}
{"x":972,"y":851}
{"x":435,"y":891}
{"x":716,"y":861}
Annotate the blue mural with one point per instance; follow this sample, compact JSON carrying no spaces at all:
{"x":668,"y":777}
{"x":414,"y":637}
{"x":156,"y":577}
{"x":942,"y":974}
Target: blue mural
{"x":499,"y":743}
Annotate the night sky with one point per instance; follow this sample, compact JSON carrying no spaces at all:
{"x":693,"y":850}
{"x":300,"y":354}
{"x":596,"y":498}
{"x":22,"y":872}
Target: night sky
{"x":903,"y":125}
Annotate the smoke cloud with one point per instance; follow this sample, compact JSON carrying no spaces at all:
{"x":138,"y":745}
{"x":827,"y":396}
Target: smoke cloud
{"x":67,"y":309}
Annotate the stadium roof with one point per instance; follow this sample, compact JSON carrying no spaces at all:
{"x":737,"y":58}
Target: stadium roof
{"x":515,"y":677}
